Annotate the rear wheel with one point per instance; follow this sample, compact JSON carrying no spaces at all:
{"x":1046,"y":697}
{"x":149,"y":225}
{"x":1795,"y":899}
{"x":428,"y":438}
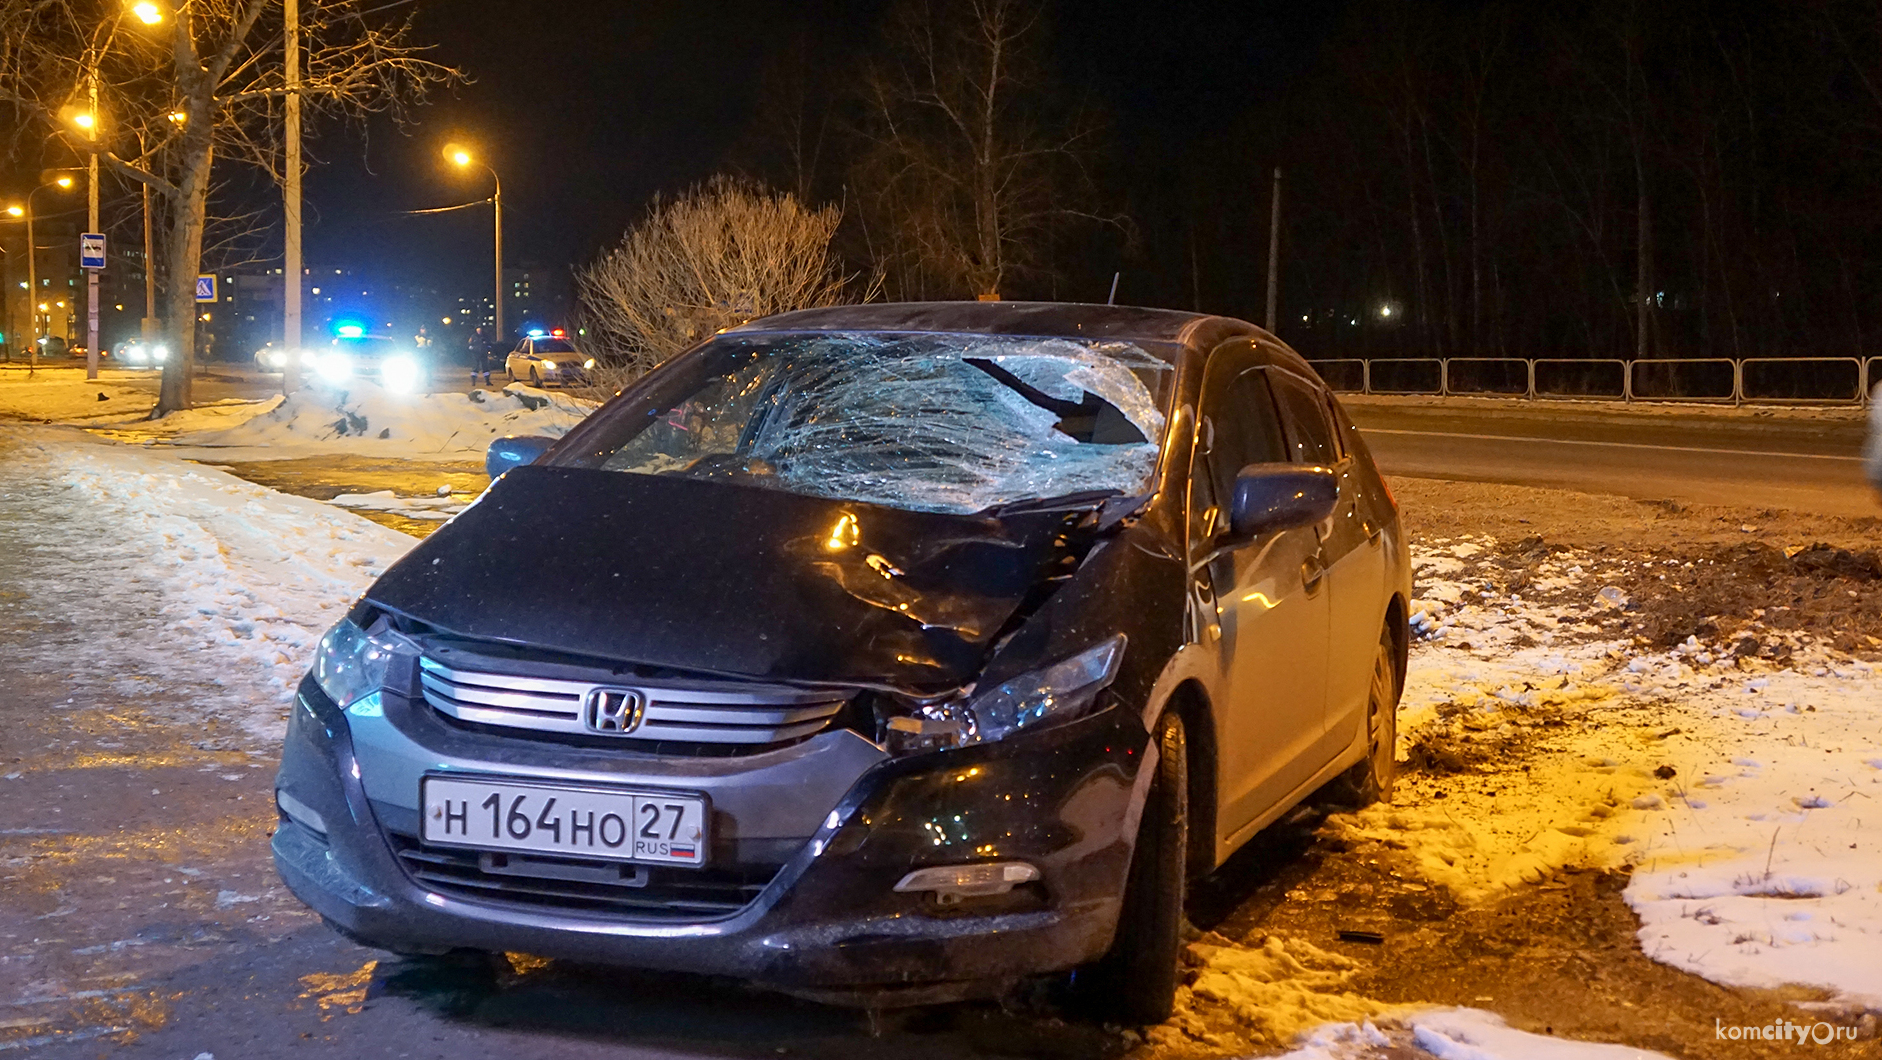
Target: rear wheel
{"x":1135,"y":983}
{"x":1371,"y":779}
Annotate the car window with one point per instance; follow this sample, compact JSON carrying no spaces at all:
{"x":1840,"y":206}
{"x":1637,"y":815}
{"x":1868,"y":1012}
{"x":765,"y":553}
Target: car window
{"x":1304,"y":412}
{"x":553,"y":346}
{"x":1243,"y":428}
{"x":928,"y":422}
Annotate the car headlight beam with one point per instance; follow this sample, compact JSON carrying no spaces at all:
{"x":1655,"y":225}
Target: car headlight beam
{"x":399,"y":375}
{"x":334,"y":367}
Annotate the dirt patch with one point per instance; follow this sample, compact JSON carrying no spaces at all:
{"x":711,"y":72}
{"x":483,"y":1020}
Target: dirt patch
{"x":326,"y":477}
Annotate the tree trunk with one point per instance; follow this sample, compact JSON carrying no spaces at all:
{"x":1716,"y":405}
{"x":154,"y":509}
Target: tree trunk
{"x":186,"y":255}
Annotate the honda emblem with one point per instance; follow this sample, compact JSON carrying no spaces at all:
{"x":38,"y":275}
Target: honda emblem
{"x":615,"y":711}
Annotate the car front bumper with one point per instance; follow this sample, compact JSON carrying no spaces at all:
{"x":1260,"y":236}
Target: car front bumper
{"x":829,"y":924}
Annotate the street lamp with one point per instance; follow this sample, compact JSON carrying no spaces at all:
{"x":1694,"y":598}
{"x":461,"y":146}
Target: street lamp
{"x":150,"y":13}
{"x":461,"y":157}
{"x":61,"y":182}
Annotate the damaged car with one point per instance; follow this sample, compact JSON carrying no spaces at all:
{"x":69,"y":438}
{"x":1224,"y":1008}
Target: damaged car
{"x":894,"y":654}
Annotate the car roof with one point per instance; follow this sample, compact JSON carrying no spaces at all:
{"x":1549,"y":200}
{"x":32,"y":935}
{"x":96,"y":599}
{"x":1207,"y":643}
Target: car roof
{"x":1038,"y":319}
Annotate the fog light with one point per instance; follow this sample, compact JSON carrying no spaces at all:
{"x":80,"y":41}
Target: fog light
{"x":951,"y":883}
{"x":300,"y":813}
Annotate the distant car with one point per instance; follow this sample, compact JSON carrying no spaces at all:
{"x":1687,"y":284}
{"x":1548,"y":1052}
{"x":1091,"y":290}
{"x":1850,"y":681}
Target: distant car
{"x":273,"y":359}
{"x":53,"y":346}
{"x":393,"y":364}
{"x":544,"y":359}
{"x":136,"y":353}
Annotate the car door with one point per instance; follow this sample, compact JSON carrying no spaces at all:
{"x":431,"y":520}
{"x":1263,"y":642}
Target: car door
{"x":1270,"y":619}
{"x":1352,"y":550}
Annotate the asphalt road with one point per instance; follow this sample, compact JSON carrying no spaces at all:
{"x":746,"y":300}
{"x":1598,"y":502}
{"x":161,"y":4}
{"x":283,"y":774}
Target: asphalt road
{"x":1807,"y":463}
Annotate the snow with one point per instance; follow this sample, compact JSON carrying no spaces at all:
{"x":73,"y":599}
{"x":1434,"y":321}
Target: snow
{"x":63,"y":394}
{"x":205,"y":585}
{"x":440,"y":507}
{"x":364,"y":419}
{"x":1756,"y":860}
{"x":1451,"y":1034}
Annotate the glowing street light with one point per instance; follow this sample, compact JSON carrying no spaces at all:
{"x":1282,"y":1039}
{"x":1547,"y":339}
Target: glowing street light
{"x":62,"y":181}
{"x":461,"y":157}
{"x":147,"y":13}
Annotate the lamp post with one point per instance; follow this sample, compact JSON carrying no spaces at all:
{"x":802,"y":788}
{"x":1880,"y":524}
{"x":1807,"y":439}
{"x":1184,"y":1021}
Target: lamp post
{"x":462,"y":158}
{"x":88,"y":122}
{"x":32,"y":269}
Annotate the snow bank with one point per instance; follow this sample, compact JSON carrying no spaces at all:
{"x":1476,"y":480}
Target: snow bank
{"x":1745,"y":795}
{"x":213,"y":591}
{"x":365,"y":419}
{"x":440,"y":507}
{"x":1452,"y":1034}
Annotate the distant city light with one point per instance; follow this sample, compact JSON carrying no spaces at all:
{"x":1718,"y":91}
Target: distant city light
{"x":1386,"y":310}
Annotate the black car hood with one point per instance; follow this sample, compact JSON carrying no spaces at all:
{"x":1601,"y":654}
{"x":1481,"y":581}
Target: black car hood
{"x":729,"y":579}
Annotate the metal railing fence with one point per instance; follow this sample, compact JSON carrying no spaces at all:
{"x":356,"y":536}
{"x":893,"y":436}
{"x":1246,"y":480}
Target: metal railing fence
{"x":1711,"y":380}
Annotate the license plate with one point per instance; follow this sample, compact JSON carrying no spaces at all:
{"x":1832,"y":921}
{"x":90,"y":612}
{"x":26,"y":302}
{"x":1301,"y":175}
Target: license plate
{"x":659,"y":827}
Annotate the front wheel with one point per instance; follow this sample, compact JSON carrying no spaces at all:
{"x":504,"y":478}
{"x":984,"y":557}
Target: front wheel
{"x":1135,"y":983}
{"x":1370,"y":780}
{"x":535,"y":379}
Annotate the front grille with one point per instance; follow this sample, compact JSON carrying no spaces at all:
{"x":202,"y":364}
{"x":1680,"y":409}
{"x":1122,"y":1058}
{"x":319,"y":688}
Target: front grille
{"x":644,"y":892}
{"x":700,"y":712}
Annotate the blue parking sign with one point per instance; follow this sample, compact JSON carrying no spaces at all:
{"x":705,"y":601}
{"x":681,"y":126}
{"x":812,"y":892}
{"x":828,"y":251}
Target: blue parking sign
{"x":206,"y":287}
{"x":91,"y":250}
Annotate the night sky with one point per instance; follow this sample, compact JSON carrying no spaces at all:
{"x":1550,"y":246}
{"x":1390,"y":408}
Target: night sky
{"x":588,"y":109}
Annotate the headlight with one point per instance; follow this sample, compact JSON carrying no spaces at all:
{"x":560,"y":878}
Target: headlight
{"x":136,"y":354}
{"x":548,"y":366}
{"x":278,"y":359}
{"x":334,"y":367}
{"x":1061,"y":692}
{"x":399,"y":375}
{"x":350,"y":664}
{"x":589,"y":363}
{"x":158,"y":353}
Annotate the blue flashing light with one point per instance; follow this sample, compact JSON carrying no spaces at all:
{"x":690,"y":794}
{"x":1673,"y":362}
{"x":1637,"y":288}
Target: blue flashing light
{"x":349,"y":331}
{"x":535,"y":333}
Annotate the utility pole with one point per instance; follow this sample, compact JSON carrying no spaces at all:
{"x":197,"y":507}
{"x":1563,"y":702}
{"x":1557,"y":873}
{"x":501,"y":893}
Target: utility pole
{"x":496,"y":202}
{"x":91,"y":275}
{"x":1274,"y":252}
{"x":148,"y":330}
{"x":291,"y":257}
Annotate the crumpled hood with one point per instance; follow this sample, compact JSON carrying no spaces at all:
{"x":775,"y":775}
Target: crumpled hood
{"x":730,"y":579}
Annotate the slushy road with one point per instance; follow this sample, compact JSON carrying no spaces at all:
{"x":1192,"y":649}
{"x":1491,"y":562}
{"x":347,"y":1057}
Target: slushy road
{"x":1800,"y":461}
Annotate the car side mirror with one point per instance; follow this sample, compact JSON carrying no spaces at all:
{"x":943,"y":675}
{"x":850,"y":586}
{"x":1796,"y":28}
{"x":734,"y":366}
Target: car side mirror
{"x":514,"y":451}
{"x":1271,"y":497}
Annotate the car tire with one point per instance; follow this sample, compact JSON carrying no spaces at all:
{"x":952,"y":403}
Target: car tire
{"x":1135,"y":982}
{"x":535,"y":379}
{"x":1370,"y":780}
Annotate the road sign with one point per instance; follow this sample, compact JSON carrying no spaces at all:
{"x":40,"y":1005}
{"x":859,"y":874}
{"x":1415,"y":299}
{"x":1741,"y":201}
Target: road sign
{"x":206,"y":287}
{"x":91,"y":250}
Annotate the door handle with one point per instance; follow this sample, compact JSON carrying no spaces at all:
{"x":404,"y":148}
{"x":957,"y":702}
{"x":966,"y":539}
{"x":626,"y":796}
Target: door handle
{"x":1312,"y":571}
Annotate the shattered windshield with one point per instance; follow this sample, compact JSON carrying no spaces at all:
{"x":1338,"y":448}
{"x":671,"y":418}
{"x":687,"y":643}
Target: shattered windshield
{"x":942,"y":423}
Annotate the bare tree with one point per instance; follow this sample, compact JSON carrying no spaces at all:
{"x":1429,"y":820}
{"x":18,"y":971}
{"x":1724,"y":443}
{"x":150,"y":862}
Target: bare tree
{"x":973,"y":166}
{"x":716,"y":256}
{"x":163,"y":103}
